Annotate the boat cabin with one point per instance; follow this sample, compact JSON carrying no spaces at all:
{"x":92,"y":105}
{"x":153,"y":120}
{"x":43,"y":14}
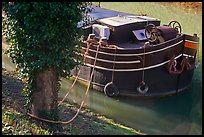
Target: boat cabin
{"x":122,"y":30}
{"x":129,"y":31}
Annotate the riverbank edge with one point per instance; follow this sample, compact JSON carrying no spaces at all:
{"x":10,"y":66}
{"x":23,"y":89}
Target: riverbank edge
{"x":16,"y":122}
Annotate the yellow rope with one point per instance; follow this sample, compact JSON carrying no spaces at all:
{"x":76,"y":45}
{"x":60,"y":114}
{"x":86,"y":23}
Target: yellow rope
{"x":88,"y":45}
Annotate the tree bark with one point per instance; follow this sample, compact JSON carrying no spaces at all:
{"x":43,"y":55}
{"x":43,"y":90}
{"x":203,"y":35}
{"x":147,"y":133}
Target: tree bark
{"x":44,"y":98}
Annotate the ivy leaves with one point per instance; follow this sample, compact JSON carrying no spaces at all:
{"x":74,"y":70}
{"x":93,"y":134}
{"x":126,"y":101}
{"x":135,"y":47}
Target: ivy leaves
{"x":43,"y":35}
{"x":39,"y":32}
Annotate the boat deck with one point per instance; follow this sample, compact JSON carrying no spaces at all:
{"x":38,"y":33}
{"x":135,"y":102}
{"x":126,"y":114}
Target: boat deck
{"x":135,"y":45}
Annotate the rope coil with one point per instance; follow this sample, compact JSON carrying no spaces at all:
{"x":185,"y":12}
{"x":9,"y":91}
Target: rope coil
{"x":184,"y":65}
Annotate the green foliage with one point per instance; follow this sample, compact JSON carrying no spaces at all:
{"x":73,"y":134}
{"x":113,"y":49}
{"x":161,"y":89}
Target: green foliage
{"x":15,"y":123}
{"x":43,"y":35}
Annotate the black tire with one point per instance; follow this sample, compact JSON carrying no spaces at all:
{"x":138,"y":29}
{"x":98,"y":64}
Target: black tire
{"x":110,"y":90}
{"x":142,"y":88}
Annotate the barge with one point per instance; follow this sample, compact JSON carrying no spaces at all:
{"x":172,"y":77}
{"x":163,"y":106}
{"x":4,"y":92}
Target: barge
{"x":134,"y":55}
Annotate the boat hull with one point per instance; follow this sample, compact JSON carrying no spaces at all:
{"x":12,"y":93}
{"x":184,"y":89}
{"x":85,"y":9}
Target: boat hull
{"x":128,"y":68}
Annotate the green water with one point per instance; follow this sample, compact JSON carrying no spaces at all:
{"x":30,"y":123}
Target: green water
{"x":181,"y":114}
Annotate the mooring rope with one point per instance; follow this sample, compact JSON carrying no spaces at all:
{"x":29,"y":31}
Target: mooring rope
{"x":114,"y":64}
{"x":115,"y":91}
{"x":143,"y":63}
{"x":143,"y":88}
{"x":185,"y":64}
{"x":85,"y":55}
{"x":90,"y":40}
{"x":86,"y":93}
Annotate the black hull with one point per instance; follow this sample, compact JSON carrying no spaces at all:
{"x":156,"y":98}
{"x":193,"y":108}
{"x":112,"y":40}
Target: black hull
{"x":128,"y":82}
{"x":154,"y":72}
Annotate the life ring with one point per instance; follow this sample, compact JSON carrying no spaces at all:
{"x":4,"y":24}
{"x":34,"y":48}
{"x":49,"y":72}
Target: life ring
{"x":142,"y":88}
{"x":110,"y":90}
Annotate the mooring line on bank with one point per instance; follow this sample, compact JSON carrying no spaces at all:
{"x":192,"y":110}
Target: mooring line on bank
{"x":82,"y":103}
{"x":89,"y":42}
{"x":85,"y":54}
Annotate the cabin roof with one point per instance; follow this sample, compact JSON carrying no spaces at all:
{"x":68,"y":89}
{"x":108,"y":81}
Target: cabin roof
{"x":114,"y":18}
{"x":123,"y":20}
{"x":100,"y":13}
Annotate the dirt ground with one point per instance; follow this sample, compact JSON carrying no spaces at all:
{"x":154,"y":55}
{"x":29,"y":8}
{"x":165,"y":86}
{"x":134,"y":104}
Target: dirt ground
{"x":188,"y":6}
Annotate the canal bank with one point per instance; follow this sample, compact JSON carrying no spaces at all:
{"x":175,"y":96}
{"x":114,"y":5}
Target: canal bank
{"x":16,"y":122}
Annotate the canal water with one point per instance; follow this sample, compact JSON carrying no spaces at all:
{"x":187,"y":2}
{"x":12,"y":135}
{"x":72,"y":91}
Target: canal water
{"x":180,"y":114}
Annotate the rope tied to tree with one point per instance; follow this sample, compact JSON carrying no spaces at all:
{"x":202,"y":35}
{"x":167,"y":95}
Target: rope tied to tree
{"x":81,"y":105}
{"x":89,"y":42}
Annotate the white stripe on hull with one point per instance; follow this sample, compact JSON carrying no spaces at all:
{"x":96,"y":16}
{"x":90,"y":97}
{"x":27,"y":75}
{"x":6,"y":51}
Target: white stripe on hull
{"x":110,"y":61}
{"x":139,"y":69}
{"x":186,"y":55}
{"x":127,"y":62}
{"x":138,"y":53}
{"x":191,"y":41}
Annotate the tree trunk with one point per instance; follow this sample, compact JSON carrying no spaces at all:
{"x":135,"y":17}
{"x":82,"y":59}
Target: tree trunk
{"x":44,"y":98}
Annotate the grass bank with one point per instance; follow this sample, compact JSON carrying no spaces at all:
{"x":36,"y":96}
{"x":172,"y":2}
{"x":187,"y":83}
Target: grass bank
{"x":16,"y":122}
